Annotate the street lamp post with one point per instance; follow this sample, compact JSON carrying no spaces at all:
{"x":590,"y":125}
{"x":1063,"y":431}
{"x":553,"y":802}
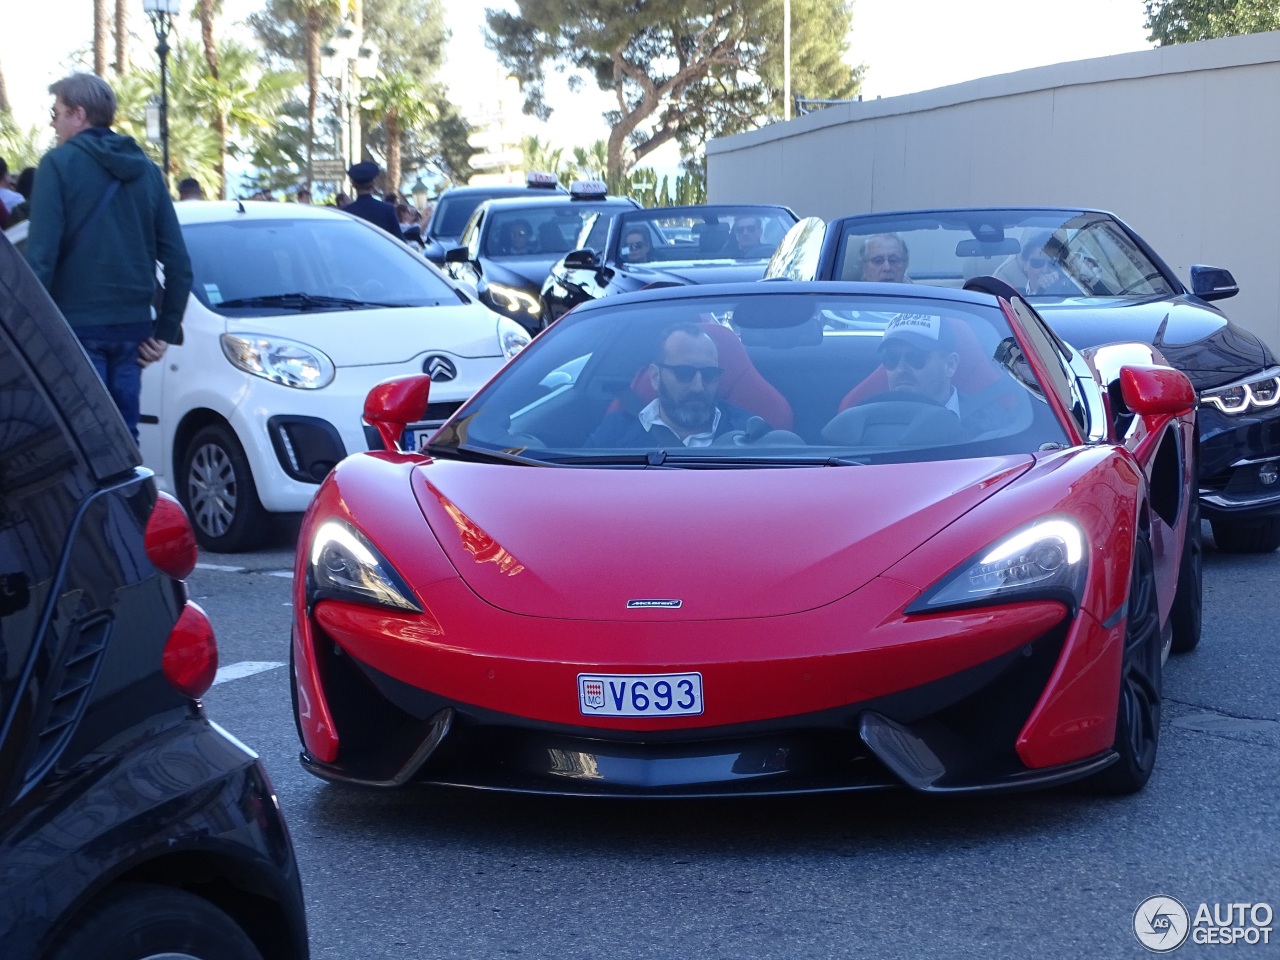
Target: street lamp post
{"x":161,"y":14}
{"x":345,"y":59}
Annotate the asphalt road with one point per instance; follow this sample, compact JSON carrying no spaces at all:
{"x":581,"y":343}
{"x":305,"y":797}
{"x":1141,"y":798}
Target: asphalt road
{"x":423,"y":873}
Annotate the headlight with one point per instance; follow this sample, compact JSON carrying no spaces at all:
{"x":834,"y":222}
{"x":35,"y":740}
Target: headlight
{"x":513,"y":301}
{"x":1046,"y":559}
{"x":280,"y":361}
{"x":1258,"y":392}
{"x":345,"y":565}
{"x":511,"y":337}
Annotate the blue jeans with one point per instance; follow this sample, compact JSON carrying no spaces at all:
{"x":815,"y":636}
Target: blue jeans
{"x":117,"y":364}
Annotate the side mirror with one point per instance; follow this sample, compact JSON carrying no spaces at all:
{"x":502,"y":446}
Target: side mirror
{"x":457,"y":255}
{"x":394,"y":404}
{"x":1156,"y":391}
{"x":581,"y":260}
{"x":1213,"y":283}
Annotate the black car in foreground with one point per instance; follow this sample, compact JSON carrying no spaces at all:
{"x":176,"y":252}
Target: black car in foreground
{"x":454,"y":208}
{"x":667,"y":247}
{"x":131,"y":826}
{"x":1095,"y":281}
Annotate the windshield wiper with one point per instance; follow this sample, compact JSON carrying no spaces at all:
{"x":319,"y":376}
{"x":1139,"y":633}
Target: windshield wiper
{"x":303,"y":302}
{"x":702,"y":460}
{"x":480,"y":456}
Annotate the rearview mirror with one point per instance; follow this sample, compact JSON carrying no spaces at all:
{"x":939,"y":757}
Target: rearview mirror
{"x":987,"y":248}
{"x":1213,"y":283}
{"x":457,"y":255}
{"x":1156,"y":391}
{"x":581,"y":260}
{"x":394,"y":404}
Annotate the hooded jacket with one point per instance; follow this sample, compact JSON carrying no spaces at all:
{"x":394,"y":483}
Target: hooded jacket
{"x":108,"y":278}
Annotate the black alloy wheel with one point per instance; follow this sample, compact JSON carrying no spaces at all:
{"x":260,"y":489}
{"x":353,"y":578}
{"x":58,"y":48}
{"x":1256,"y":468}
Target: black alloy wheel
{"x":1188,"y":602}
{"x":216,"y":486}
{"x":1247,"y":536}
{"x":142,"y":921}
{"x":1138,"y":714}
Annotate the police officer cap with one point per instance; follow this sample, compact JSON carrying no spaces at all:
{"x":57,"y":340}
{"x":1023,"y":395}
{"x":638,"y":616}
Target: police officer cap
{"x":365,"y":172}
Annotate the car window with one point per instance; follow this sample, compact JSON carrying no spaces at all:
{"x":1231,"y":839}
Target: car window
{"x":331,"y":257}
{"x":1041,"y":253}
{"x":798,"y":377}
{"x":717,"y":232}
{"x":452,"y":213}
{"x":1061,"y":378}
{"x":545,"y":230}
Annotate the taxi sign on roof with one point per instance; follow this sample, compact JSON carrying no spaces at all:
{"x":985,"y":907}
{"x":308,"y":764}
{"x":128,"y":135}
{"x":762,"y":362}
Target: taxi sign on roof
{"x":588,"y":190}
{"x":542,"y":179}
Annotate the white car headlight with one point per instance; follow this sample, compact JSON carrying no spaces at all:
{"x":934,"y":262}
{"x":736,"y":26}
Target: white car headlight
{"x":278,"y":360}
{"x":511,"y":337}
{"x":1046,"y":559}
{"x":344,"y":565}
{"x":1257,"y":393}
{"x":512,"y":300}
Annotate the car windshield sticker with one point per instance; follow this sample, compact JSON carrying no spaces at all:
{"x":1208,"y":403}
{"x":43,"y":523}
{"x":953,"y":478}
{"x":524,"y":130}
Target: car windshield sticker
{"x":212,"y":293}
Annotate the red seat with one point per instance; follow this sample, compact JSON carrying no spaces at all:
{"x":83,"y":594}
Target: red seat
{"x":741,"y":384}
{"x":975,"y":371}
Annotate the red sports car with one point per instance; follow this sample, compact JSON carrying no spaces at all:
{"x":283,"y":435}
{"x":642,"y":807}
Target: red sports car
{"x":756,"y":539}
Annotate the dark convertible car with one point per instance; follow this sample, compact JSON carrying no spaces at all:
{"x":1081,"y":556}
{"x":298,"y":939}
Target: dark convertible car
{"x":1095,"y":281}
{"x":667,"y":247}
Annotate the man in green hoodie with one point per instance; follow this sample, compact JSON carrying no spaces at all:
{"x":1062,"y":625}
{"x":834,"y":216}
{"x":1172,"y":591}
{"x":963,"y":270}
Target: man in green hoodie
{"x":101,"y":218}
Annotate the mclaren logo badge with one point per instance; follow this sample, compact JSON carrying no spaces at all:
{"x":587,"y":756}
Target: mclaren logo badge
{"x":439,"y":368}
{"x":642,"y":604}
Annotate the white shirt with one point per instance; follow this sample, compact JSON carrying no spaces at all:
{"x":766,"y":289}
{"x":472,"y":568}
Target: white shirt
{"x":649,"y":416}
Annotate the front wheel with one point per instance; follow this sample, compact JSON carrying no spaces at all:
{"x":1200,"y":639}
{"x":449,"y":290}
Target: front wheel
{"x":1246,"y":536}
{"x":141,"y":921}
{"x":1188,"y":601}
{"x":1138,"y":713}
{"x":216,"y":486}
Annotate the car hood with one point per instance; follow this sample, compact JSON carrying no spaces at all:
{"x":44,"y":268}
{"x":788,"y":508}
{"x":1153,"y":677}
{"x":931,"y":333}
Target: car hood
{"x":357,"y":338}
{"x":523,"y":274}
{"x":698,"y":271}
{"x":583,"y":543}
{"x":1197,"y":339}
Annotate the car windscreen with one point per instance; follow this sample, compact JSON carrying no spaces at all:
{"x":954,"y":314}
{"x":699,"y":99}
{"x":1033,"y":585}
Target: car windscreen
{"x":452,"y":213}
{"x":690,"y":234}
{"x":1042,"y":254}
{"x":762,"y":379}
{"x":546,"y":230}
{"x":259,"y":266}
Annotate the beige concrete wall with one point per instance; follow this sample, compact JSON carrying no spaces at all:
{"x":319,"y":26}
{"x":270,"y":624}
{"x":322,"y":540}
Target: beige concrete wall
{"x":1182,"y":142}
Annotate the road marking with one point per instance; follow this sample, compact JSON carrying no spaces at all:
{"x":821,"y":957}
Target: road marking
{"x":245,"y":668}
{"x":287,"y":574}
{"x":224,"y":567}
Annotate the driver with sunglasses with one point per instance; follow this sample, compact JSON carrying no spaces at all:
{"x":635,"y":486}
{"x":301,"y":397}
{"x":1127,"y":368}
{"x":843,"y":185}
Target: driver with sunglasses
{"x":685,"y":376}
{"x":1041,"y":262}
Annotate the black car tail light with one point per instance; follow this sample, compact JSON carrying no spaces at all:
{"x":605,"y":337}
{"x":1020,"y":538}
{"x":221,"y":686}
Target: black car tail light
{"x":190,"y":659}
{"x":170,"y":541}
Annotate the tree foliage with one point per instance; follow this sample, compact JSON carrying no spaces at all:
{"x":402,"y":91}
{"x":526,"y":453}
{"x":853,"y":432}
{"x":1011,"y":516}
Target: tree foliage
{"x":1183,"y":21}
{"x":681,"y":70}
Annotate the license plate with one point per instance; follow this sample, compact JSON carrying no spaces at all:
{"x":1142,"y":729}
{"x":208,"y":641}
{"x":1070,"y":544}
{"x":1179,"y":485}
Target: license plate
{"x":415,"y":437}
{"x":640,"y":695}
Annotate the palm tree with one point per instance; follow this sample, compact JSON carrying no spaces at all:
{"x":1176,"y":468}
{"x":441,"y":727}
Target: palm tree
{"x":122,"y":37}
{"x":206,"y":11}
{"x":4,"y":96}
{"x":101,"y":28}
{"x":400,"y":102}
{"x":592,"y":161}
{"x":193,"y":146}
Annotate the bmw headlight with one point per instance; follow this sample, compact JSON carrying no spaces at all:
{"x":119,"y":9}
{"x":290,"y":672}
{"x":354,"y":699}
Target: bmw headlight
{"x":511,"y":337}
{"x":344,"y":565}
{"x":512,"y":301}
{"x":1257,"y":393}
{"x":278,"y":360}
{"x":1046,"y":559}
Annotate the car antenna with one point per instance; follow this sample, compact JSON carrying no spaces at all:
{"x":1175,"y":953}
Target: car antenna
{"x":240,"y":206}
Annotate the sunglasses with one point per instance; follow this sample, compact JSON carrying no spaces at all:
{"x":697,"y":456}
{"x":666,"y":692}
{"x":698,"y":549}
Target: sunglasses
{"x":882,"y":259}
{"x":893,"y":359}
{"x":684,"y":373}
{"x":747,"y":228}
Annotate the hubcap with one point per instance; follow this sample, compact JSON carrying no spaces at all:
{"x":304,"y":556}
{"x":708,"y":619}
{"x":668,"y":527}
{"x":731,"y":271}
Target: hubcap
{"x":211,"y":489}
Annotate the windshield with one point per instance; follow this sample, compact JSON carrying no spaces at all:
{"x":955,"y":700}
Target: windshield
{"x":762,"y":379}
{"x":338,"y":259}
{"x":546,"y":230}
{"x":1043,"y":254}
{"x":687,"y":234}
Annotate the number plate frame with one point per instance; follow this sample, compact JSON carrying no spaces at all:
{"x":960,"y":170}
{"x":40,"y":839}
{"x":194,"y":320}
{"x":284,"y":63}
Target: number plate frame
{"x":640,"y":694}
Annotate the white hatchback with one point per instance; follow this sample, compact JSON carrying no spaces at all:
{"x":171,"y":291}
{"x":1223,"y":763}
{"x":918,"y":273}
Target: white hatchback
{"x":295,"y":313}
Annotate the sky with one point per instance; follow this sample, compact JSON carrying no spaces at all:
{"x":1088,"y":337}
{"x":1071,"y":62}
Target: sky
{"x":963,"y":41}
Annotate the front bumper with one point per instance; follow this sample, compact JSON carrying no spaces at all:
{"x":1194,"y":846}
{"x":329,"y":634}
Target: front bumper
{"x":1239,"y":464}
{"x":952,"y":735}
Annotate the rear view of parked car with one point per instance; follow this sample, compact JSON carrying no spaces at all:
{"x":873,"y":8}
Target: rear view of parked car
{"x":131,"y":826}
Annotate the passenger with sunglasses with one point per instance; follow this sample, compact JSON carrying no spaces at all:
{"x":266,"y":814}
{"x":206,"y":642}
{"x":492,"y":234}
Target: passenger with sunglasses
{"x":687,"y":412}
{"x":1041,"y":262}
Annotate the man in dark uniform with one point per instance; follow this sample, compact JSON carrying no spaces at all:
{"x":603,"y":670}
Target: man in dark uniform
{"x":366,"y":205}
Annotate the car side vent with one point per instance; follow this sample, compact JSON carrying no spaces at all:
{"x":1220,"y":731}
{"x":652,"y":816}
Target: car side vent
{"x":66,"y":703}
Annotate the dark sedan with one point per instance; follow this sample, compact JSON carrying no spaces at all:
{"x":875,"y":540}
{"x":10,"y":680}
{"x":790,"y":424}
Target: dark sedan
{"x":456,"y":205}
{"x":667,"y":247}
{"x":1095,"y":281}
{"x":509,"y":245}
